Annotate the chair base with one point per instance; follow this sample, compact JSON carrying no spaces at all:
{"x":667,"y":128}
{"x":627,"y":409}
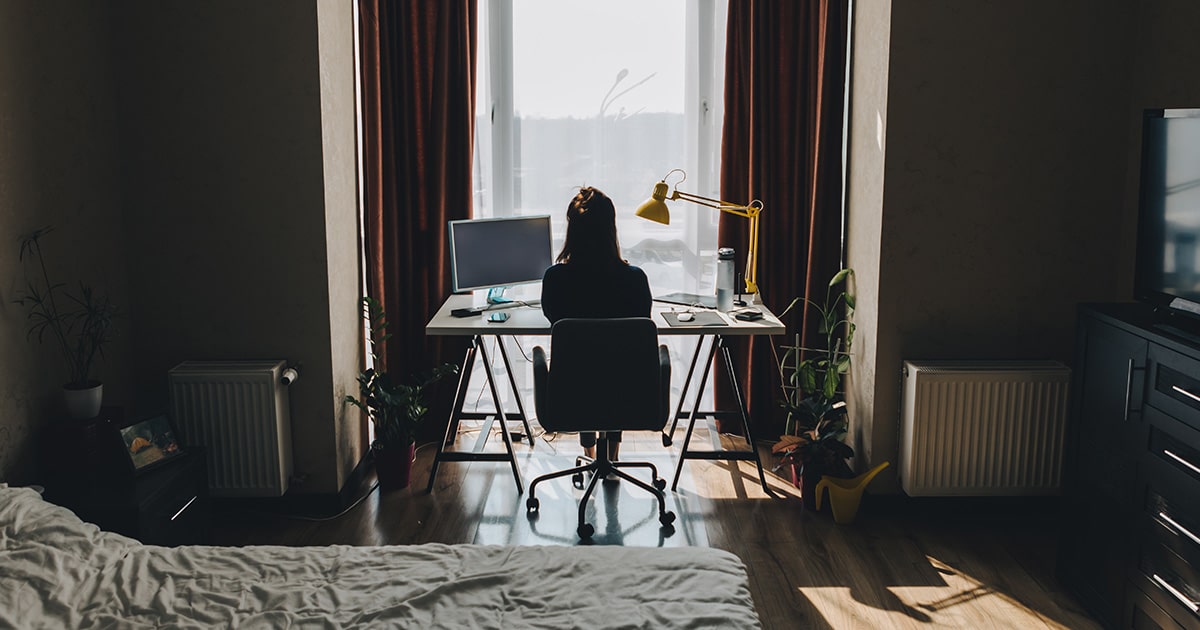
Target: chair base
{"x":601,"y":467}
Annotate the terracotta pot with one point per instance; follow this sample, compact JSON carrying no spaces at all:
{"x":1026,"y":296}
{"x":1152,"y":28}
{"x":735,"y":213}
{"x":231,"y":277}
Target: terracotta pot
{"x":83,"y":403}
{"x":393,"y":465}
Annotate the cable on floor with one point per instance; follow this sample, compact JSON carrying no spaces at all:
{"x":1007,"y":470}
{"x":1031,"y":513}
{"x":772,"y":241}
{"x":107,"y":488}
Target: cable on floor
{"x":322,"y":519}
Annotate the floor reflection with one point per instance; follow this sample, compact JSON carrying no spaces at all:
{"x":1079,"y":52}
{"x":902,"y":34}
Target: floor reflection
{"x":621,"y":513}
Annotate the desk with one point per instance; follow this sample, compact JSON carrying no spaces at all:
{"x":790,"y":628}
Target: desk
{"x":524,"y":320}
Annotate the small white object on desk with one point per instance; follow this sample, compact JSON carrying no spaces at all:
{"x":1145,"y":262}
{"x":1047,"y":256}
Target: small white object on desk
{"x":684,"y":317}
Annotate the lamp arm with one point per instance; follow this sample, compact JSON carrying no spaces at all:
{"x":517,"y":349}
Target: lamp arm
{"x":753,"y":208}
{"x":749,"y":211}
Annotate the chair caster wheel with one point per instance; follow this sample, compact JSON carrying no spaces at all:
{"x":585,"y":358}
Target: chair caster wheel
{"x":531,"y":504}
{"x":586,"y":530}
{"x":667,"y":518}
{"x":577,"y":480}
{"x":660,"y":483}
{"x":666,"y":439}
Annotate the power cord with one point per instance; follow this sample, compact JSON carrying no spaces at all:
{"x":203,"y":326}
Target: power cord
{"x":323,"y":519}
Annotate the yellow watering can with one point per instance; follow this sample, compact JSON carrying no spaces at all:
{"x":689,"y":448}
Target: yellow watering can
{"x":846,"y":494}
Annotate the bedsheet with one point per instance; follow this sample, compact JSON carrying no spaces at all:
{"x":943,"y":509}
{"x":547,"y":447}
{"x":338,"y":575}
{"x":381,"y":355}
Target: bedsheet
{"x":59,"y":572}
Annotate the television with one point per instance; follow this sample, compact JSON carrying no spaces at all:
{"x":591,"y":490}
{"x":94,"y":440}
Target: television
{"x":498,"y":253}
{"x":1168,"y":242}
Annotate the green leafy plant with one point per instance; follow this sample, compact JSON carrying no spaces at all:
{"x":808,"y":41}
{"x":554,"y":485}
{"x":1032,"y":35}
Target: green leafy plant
{"x":81,"y":323}
{"x":811,"y":379}
{"x":396,"y":408}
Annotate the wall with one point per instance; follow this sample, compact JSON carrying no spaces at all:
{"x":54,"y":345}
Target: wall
{"x":224,"y":141}
{"x":1009,"y":135}
{"x":870,"y":39}
{"x":339,"y":159}
{"x":58,"y":167}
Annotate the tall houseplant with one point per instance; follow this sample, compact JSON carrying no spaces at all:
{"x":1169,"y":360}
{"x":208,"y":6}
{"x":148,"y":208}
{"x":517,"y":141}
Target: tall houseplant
{"x":80,"y":324}
{"x":396,"y":408}
{"x":815,"y":429}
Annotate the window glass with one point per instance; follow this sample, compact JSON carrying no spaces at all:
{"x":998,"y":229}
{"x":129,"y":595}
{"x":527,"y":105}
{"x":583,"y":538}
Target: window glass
{"x":610,"y":94}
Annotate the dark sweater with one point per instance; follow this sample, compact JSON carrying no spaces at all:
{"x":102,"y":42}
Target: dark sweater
{"x":575,"y":290}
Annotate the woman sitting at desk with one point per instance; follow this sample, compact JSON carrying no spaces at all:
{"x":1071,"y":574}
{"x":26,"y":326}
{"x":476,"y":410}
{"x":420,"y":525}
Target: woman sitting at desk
{"x":591,"y":279}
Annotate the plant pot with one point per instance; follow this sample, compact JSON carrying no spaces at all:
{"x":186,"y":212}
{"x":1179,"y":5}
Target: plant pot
{"x":83,"y":402}
{"x":393,"y":465}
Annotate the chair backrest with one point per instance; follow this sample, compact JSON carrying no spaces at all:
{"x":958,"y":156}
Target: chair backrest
{"x":604,"y":376}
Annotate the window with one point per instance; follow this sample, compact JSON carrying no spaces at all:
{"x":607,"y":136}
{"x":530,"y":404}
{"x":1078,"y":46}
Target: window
{"x":612,"y":95}
{"x":609,"y":94}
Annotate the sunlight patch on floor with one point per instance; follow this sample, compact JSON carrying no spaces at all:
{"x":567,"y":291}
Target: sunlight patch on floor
{"x":731,"y":480}
{"x":964,"y":602}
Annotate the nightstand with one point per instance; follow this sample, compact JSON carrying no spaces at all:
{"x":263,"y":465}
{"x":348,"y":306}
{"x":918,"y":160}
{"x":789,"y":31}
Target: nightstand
{"x":166,"y":506}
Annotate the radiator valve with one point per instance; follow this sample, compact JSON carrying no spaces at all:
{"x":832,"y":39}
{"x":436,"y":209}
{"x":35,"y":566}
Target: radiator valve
{"x":289,"y":376}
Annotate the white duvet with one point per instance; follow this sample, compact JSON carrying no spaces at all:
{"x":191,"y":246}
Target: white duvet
{"x":59,"y":572}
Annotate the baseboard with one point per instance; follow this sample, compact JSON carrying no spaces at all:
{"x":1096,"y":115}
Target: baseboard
{"x":312,"y":505}
{"x":965,"y":507}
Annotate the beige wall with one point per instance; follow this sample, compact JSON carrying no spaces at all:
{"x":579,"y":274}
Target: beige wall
{"x":871,"y":35}
{"x":224,"y":142}
{"x":339,"y":154}
{"x":1008,"y":177}
{"x":208,"y":150}
{"x":58,"y":167}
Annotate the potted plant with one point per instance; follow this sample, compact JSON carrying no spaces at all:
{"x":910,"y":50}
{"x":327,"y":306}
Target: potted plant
{"x":811,"y":380}
{"x":397,"y":409}
{"x":81,"y":324}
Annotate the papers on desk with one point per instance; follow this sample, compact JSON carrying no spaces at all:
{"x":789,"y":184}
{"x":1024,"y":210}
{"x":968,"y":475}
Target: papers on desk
{"x":699,"y":318}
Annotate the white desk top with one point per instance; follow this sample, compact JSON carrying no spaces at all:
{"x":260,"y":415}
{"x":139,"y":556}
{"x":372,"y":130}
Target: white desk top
{"x":525,"y":320}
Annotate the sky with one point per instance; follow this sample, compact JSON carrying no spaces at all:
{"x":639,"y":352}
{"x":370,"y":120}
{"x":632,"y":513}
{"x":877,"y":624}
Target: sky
{"x":569,"y":53}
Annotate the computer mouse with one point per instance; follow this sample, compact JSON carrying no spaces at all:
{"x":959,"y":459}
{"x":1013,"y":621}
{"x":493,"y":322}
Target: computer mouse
{"x":685,"y":317}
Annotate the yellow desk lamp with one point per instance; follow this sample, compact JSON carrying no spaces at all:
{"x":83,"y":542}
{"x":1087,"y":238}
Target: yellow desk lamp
{"x":655,"y":209}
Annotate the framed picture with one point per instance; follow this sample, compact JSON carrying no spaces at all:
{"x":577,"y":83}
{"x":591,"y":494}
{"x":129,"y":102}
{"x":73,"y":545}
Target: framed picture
{"x":149,"y":442}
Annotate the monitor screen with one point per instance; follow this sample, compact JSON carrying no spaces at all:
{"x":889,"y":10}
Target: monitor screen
{"x":487,"y":253}
{"x":1168,"y":257}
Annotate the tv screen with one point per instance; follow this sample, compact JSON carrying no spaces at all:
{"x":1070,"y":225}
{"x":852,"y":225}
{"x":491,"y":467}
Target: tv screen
{"x":491,"y":253}
{"x":1168,"y":246}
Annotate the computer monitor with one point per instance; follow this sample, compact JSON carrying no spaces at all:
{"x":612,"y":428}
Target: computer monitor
{"x":498,"y":253}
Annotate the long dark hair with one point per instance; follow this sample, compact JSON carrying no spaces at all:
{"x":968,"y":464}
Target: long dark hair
{"x":591,"y":230}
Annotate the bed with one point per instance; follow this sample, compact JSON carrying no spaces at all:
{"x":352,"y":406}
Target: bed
{"x":59,"y":572}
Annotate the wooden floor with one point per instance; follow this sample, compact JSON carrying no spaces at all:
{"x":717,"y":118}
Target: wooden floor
{"x":903,"y":564}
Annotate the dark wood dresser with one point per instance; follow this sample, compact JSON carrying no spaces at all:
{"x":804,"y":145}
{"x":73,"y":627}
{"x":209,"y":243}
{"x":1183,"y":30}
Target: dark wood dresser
{"x":1130,"y":545}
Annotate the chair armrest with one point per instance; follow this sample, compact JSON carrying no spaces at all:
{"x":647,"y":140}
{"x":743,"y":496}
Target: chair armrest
{"x":541,"y":377}
{"x":664,"y":379}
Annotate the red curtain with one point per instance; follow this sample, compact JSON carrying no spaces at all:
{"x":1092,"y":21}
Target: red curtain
{"x":782,"y":143}
{"x":418,"y":99}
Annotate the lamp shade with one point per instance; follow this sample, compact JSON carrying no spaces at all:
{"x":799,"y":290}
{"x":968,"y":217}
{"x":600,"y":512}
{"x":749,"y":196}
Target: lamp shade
{"x":655,"y":208}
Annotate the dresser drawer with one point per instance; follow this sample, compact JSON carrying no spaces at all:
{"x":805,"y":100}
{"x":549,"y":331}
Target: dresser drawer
{"x":1171,"y":445}
{"x":1143,"y":613}
{"x":1175,"y":385}
{"x":1166,"y":528}
{"x":1171,"y":583}
{"x":182,"y":520}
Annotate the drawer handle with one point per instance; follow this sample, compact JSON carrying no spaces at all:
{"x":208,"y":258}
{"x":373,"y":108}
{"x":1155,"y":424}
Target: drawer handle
{"x":1185,"y":392}
{"x":1183,"y":461}
{"x":1183,"y":599}
{"x":1180,"y":528}
{"x":1129,"y":370}
{"x":185,"y":506}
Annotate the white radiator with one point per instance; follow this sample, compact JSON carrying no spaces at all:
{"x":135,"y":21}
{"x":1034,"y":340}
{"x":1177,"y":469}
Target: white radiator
{"x":983,"y":429}
{"x":238,"y":411}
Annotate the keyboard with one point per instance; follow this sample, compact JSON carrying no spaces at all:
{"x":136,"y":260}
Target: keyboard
{"x":688,"y":299}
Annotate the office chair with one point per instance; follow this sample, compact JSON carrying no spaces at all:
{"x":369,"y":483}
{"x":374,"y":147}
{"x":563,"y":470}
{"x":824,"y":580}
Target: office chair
{"x":608,"y":375}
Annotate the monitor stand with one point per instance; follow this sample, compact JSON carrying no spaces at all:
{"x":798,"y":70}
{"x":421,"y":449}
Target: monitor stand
{"x":496,"y":296}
